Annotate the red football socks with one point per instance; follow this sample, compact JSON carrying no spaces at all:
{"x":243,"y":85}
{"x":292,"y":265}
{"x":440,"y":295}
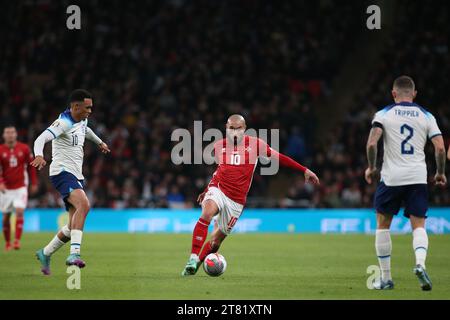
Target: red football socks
{"x":207,"y":249}
{"x":199,"y":235}
{"x":19,"y":228}
{"x":6,"y":228}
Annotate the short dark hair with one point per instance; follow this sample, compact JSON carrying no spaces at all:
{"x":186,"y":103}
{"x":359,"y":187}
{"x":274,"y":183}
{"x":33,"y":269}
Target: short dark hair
{"x":404,"y":83}
{"x":79,"y":95}
{"x":9,"y":125}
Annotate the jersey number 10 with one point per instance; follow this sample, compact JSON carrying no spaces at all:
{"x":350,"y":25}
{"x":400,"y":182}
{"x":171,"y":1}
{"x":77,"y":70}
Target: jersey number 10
{"x":406,"y":147}
{"x":74,"y":140}
{"x":235,"y":159}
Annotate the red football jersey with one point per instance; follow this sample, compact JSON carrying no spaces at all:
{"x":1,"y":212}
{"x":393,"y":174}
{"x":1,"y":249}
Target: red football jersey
{"x":14,"y":166}
{"x":236,"y":165}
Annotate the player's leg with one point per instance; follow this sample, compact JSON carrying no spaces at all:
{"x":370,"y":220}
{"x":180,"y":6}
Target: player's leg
{"x":383,"y":245}
{"x":19,"y":227}
{"x":420,"y":239}
{"x":209,"y":210}
{"x":224,"y":223}
{"x":416,"y":208}
{"x":387,"y":203}
{"x":6,"y":222}
{"x":420,"y":246}
{"x":62,"y":237}
{"x":80,"y":202}
{"x":19,"y":203}
{"x":213,"y":244}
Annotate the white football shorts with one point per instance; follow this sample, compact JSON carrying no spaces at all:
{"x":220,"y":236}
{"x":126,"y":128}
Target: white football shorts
{"x":13,"y":198}
{"x":229,"y":210}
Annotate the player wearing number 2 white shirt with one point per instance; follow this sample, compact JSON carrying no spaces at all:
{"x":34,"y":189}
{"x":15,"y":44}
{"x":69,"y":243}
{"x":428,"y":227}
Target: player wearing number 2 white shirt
{"x":68,"y":134}
{"x":405,"y":127}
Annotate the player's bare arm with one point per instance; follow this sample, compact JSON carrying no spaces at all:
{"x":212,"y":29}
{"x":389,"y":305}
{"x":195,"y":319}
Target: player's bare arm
{"x":2,"y":184}
{"x":310,"y":177}
{"x":372,"y":150}
{"x":439,"y":153}
{"x":93,"y":137}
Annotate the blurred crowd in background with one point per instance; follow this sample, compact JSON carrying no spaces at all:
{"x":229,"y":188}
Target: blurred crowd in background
{"x":156,"y":66}
{"x":418,"y":49}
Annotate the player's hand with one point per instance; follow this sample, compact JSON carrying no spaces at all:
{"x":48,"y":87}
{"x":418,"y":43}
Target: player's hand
{"x":104,"y":147}
{"x":2,"y":187}
{"x":38,"y":162}
{"x":311,"y":177}
{"x":370,"y":174}
{"x":33,"y":189}
{"x":200,"y":197}
{"x":440,"y":179}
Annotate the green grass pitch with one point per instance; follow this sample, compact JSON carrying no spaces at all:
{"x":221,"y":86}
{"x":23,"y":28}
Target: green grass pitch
{"x":260,"y":266}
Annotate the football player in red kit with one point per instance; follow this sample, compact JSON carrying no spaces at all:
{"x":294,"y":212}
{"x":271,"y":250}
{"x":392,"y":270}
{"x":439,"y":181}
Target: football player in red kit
{"x":225,"y":196}
{"x":14,"y":174}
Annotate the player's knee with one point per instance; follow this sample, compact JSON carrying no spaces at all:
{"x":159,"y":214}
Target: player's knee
{"x":209,"y":210}
{"x":84,"y":206}
{"x":384,"y":221}
{"x":87,"y":206}
{"x":207,"y":216}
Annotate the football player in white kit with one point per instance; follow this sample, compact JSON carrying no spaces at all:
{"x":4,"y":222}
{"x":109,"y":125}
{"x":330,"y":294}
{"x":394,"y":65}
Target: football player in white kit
{"x":405,"y":127}
{"x":67,"y":134}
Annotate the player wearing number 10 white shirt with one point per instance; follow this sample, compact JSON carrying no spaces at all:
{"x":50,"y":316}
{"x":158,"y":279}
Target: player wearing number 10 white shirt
{"x":405,"y":127}
{"x":68,"y":134}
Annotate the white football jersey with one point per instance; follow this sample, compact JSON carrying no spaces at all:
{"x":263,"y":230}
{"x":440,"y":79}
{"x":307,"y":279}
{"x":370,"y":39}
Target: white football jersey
{"x":67,"y":147}
{"x":406,"y":128}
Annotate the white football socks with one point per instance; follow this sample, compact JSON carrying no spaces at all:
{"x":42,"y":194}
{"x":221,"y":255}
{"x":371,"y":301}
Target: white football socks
{"x":75,"y":241}
{"x":420,"y":245}
{"x":56,"y":243}
{"x":53,"y":245}
{"x":194,"y":256}
{"x":383,"y":246}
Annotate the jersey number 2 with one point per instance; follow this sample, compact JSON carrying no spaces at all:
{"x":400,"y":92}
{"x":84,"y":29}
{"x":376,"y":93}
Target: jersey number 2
{"x":406,"y":147}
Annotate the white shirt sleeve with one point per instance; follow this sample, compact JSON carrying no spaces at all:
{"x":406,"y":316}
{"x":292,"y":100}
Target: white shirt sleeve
{"x":55,"y":130}
{"x":378,"y":119}
{"x":433,"y":129}
{"x":40,"y":142}
{"x":92,"y":136}
{"x":60,"y":126}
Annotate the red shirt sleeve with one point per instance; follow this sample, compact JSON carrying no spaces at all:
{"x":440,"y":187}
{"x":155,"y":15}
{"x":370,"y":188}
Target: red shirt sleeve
{"x":31,"y":170}
{"x":2,"y":180}
{"x":265,"y":150}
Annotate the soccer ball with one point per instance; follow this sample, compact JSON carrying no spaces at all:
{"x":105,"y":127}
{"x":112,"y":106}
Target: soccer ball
{"x":214,"y":264}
